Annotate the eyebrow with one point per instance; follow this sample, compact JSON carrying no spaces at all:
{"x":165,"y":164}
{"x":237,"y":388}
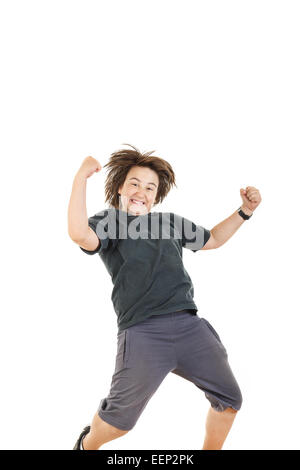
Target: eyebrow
{"x":140,"y":181}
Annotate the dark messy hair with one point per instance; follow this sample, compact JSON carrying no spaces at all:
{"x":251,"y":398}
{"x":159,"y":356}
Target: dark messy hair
{"x":123,"y":160}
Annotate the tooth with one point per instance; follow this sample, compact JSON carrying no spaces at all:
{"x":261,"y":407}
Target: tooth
{"x":137,"y":202}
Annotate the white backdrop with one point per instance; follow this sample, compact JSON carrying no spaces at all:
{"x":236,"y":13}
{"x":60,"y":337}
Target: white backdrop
{"x":213,"y":87}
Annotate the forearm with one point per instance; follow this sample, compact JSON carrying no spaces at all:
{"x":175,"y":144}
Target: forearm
{"x":225,"y":229}
{"x":77,"y":213}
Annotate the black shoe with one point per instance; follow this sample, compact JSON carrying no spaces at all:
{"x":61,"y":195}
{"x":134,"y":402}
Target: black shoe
{"x":83,"y":433}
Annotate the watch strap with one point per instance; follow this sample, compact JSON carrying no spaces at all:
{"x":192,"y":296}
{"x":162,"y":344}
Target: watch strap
{"x":243,"y":215}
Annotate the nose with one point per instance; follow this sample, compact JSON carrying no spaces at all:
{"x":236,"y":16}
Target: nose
{"x":140,"y":194}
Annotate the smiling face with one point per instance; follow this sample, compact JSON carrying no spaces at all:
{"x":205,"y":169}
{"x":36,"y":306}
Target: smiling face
{"x":139,"y":190}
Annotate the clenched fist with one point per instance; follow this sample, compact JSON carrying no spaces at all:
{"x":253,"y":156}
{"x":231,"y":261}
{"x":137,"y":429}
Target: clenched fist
{"x":251,"y":197}
{"x":89,"y":166}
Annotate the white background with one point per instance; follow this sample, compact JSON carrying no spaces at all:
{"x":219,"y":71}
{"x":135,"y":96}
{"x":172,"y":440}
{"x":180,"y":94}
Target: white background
{"x":213,"y":88}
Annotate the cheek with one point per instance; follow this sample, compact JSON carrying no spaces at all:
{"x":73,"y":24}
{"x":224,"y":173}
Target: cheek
{"x":150,"y":197}
{"x":129,"y":192}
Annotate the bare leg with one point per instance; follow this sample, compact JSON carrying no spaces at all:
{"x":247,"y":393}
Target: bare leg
{"x":218,"y":424}
{"x":100,"y":433}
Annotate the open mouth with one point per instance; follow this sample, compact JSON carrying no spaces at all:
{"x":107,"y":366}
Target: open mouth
{"x":138,"y":203}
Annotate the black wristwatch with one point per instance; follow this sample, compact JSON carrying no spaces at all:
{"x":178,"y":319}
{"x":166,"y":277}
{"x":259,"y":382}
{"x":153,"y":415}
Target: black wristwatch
{"x":243,"y":215}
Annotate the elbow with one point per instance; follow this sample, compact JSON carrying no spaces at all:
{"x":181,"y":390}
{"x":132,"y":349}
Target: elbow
{"x":76,"y":237}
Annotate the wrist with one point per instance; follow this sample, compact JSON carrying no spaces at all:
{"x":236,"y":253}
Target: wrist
{"x":79,"y":177}
{"x":246,"y":210}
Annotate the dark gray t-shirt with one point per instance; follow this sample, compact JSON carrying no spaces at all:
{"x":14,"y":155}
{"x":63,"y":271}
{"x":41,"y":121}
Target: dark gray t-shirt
{"x":143,"y":255}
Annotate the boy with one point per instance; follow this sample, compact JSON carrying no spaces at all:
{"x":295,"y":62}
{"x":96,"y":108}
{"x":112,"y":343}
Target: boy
{"x":159,"y":330}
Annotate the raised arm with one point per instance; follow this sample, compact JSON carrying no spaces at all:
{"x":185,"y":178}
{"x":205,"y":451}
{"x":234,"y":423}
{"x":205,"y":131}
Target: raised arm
{"x":78,"y":228}
{"x":224,"y":230}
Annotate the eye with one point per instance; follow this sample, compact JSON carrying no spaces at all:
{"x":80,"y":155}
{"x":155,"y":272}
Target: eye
{"x":134,"y":184}
{"x":150,"y":189}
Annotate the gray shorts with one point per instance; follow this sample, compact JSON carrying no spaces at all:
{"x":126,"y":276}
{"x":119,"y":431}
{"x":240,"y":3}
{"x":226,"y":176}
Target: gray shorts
{"x":178,"y":342}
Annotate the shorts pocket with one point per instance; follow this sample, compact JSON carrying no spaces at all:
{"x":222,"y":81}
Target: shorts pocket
{"x":122,"y":349}
{"x":215,"y":335}
{"x":212,"y":329}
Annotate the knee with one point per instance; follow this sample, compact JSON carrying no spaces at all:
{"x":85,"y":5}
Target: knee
{"x":238,"y":400}
{"x":118,"y":432}
{"x":231,"y":410}
{"x":235,"y":402}
{"x":113,"y":430}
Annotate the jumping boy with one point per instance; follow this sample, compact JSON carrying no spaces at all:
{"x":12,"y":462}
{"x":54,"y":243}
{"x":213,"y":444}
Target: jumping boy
{"x":159,"y":330}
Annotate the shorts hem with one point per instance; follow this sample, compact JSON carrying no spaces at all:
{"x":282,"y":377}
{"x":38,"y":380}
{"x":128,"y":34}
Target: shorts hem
{"x":222,"y":406}
{"x":114,"y":423}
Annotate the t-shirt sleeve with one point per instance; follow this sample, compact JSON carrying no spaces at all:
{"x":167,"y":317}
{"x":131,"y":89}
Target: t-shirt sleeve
{"x":194,"y":236}
{"x":99,"y":223}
